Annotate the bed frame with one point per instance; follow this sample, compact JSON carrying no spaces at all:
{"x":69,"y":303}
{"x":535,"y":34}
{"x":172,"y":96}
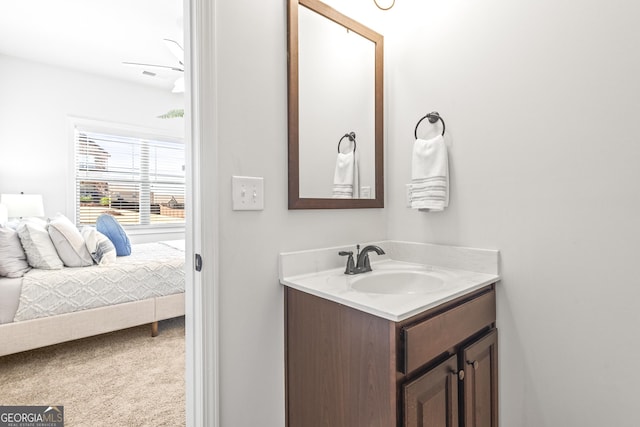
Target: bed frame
{"x":29,"y":334}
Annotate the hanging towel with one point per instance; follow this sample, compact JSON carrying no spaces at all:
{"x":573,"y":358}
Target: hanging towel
{"x":430,"y":175}
{"x":345,"y":179}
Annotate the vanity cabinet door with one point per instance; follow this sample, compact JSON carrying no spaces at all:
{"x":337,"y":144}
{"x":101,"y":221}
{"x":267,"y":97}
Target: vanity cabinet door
{"x":480,"y":361}
{"x":432,"y":399}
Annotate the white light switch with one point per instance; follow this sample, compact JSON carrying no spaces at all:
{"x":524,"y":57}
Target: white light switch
{"x":247,"y":193}
{"x":408,"y":195}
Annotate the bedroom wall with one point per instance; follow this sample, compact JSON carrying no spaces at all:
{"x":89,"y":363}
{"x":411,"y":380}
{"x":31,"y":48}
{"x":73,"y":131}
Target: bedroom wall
{"x":35,"y":143}
{"x":540,"y":99}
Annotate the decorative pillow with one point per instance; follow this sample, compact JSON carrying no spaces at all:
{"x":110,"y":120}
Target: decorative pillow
{"x":101,"y":248}
{"x":110,"y":227}
{"x":13,"y":260}
{"x":38,"y":246}
{"x":34,"y":220}
{"x":4,"y":214}
{"x":69,"y":242}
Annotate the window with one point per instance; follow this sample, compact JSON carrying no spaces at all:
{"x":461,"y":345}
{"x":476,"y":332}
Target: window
{"x":139,"y":180}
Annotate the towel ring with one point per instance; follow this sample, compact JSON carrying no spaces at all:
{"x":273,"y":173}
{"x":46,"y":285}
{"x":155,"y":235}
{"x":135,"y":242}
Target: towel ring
{"x":352,"y":138}
{"x":433,"y":117}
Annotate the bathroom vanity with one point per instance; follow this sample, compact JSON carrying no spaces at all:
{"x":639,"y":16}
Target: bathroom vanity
{"x":379,"y":356}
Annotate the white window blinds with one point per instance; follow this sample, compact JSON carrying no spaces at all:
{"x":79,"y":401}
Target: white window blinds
{"x":140,"y":181}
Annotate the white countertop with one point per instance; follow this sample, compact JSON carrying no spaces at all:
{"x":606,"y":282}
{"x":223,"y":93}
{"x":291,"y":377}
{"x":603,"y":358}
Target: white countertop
{"x":332,"y":284}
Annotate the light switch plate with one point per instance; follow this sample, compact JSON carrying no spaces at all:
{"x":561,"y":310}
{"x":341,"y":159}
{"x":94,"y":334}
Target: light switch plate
{"x":247,"y":193}
{"x":408,"y":195}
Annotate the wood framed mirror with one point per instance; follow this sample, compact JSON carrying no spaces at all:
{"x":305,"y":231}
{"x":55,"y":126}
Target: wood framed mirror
{"x":335,"y":82}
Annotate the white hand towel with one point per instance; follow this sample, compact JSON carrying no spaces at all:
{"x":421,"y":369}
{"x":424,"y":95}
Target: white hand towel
{"x":345,"y":178}
{"x":430,"y":175}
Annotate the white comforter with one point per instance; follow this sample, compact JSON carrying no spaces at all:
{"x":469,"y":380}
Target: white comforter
{"x":152,"y":270}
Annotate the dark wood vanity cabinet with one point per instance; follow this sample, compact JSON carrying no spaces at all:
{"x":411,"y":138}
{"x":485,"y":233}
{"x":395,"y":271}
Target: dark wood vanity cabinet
{"x":348,"y":368}
{"x":432,"y":399}
{"x":461,"y":391}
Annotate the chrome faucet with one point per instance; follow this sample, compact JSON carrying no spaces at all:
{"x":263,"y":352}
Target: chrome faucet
{"x":362,"y":265}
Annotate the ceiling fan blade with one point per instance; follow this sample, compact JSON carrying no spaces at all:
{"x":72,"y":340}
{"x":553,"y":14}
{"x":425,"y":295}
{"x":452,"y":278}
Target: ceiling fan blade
{"x":175,"y":48}
{"x":167,"y":67}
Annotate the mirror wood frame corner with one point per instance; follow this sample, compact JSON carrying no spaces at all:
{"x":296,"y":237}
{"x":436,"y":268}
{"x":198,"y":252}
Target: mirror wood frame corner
{"x":295,"y":201}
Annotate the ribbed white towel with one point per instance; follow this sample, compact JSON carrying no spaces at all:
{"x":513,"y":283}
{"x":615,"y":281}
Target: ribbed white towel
{"x":345,"y":178}
{"x":430,"y":175}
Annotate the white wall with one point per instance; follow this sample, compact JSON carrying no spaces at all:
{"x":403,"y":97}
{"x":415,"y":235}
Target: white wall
{"x":36,"y":101}
{"x":540,"y":99}
{"x":252,"y":138}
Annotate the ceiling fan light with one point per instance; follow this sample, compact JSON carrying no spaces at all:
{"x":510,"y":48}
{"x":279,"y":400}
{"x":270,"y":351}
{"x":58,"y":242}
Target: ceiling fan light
{"x":178,"y":85}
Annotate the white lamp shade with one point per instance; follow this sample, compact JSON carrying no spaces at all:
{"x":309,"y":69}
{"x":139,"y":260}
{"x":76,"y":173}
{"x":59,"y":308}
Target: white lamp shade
{"x":23,"y":205}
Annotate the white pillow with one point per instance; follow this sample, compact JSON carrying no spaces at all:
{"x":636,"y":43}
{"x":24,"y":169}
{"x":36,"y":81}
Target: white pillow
{"x":4,"y":214}
{"x":101,"y":248}
{"x":13,"y":260}
{"x":69,"y":242}
{"x":38,"y":245}
{"x":35,"y":220}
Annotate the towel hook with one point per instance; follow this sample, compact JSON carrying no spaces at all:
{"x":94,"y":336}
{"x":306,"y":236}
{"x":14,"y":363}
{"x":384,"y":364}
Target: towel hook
{"x":433,"y":117}
{"x":352,"y":138}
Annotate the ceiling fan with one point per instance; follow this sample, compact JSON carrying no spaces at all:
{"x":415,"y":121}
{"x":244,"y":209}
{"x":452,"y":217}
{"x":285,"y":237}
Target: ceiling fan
{"x":177,"y":51}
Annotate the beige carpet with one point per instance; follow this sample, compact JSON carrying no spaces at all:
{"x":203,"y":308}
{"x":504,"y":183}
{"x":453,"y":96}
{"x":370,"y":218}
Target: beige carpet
{"x":124,"y":378}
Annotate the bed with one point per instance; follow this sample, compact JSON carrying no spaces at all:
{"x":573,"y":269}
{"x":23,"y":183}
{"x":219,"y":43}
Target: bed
{"x":46,"y":307}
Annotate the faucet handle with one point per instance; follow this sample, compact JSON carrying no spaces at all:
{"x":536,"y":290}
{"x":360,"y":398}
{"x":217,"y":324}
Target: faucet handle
{"x":351,"y":266}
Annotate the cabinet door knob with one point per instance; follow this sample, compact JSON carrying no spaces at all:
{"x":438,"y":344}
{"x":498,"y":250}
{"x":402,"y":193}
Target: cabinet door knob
{"x":459,"y":374}
{"x":474,"y":364}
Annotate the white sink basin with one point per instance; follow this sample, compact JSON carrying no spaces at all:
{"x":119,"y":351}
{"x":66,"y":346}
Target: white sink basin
{"x":397,"y":282}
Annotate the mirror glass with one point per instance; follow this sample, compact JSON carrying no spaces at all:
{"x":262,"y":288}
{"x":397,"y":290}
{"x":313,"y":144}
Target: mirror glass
{"x":336,"y":96}
{"x":335,"y":110}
